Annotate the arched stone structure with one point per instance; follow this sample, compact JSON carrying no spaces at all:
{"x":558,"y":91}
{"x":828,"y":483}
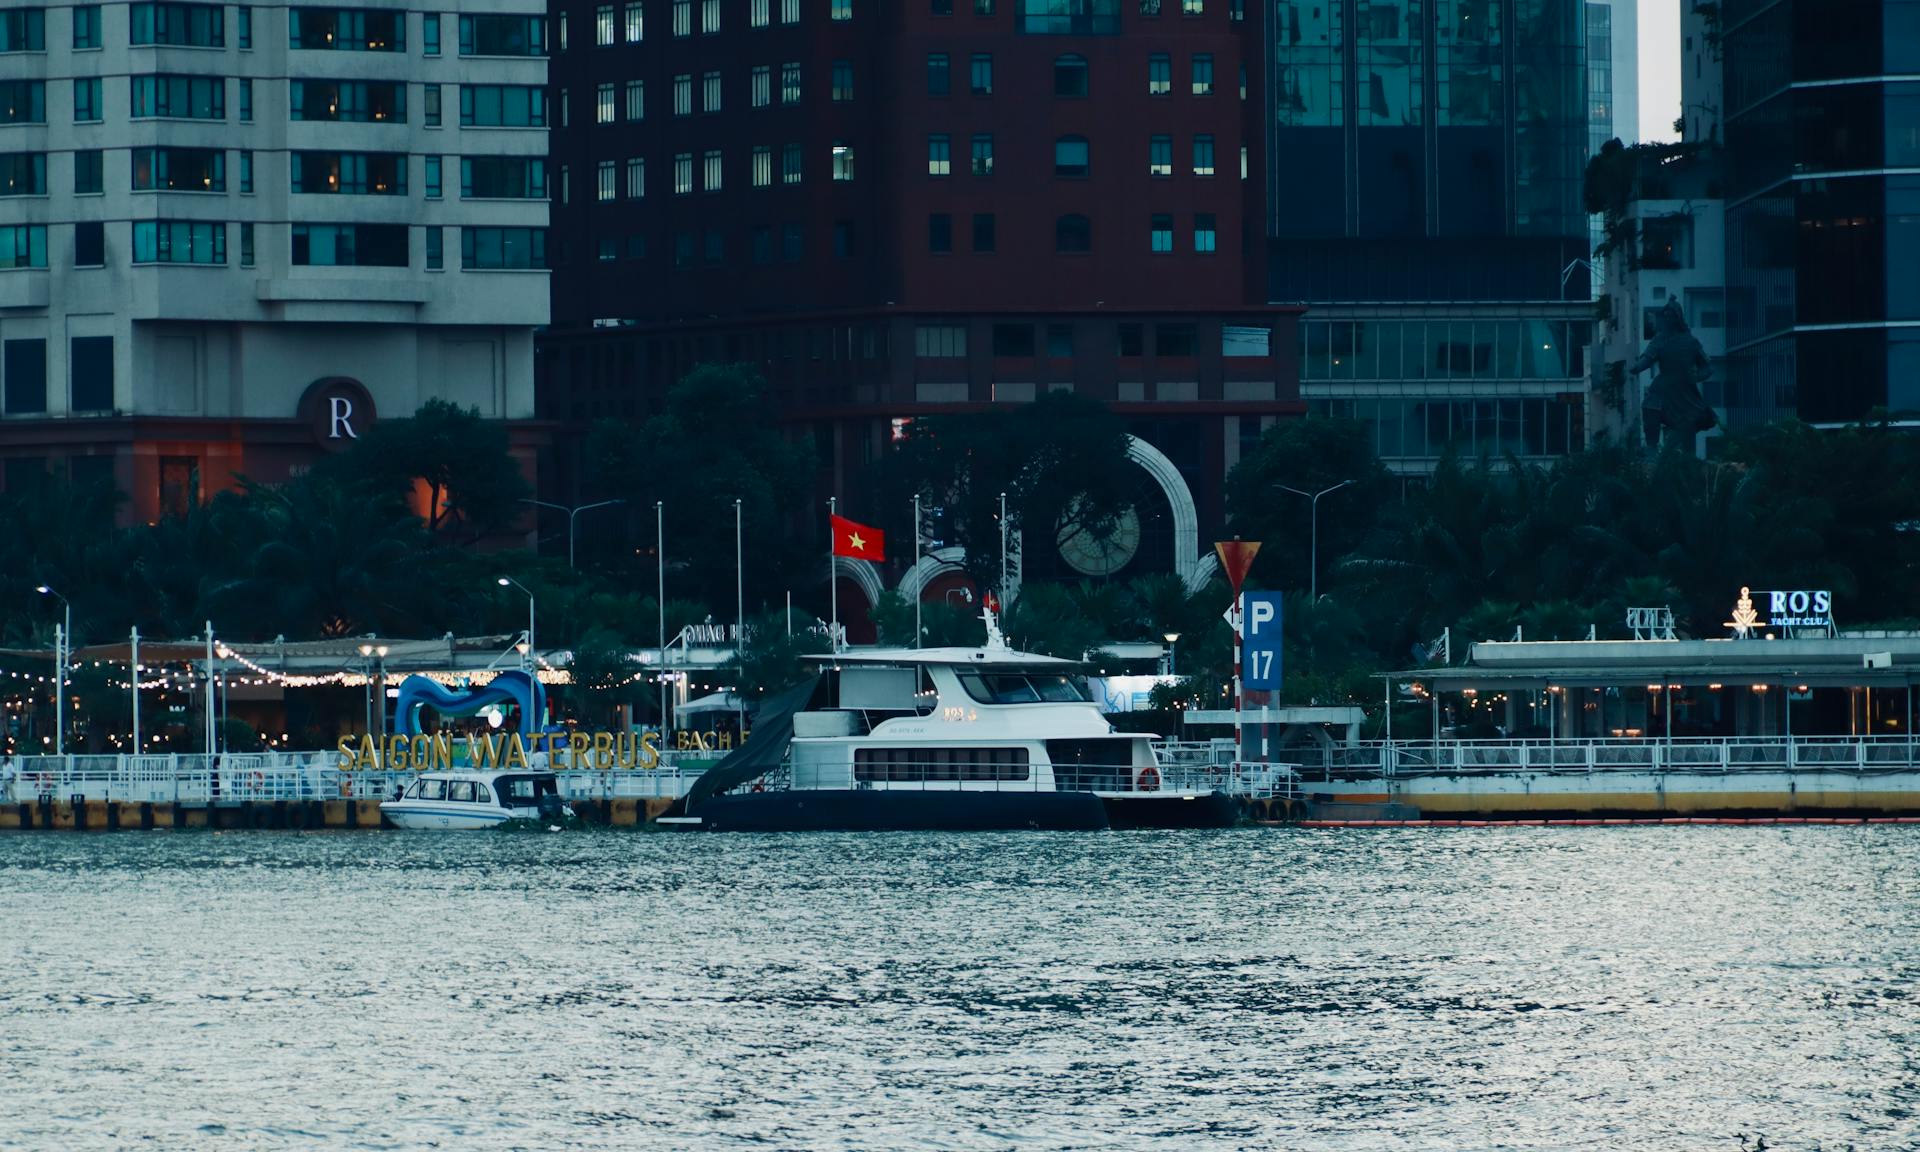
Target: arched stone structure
{"x":1186,"y":517}
{"x":1204,"y":569}
{"x":862,"y":573}
{"x":932,"y":566}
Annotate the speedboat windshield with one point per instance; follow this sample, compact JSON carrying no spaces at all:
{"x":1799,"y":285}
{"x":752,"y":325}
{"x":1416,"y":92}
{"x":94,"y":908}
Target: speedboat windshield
{"x":1022,"y":688}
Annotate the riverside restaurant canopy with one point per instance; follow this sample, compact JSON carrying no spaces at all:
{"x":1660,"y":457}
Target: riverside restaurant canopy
{"x":1850,"y":660}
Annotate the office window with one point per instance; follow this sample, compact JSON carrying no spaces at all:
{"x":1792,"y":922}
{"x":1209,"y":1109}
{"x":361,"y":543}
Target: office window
{"x":1203,"y":74}
{"x":246,"y":245}
{"x":503,"y":248}
{"x":89,"y":244}
{"x":23,"y":173}
{"x":762,"y":85}
{"x":636,"y":100}
{"x":23,"y":30}
{"x":842,"y":81}
{"x":939,"y":155}
{"x":1162,"y":233}
{"x":565,"y":105}
{"x":790,"y":164}
{"x":182,"y":25}
{"x":605,"y":181}
{"x":429,"y":32}
{"x":1203,"y":155}
{"x":347,"y":101}
{"x":983,"y":155}
{"x":185,"y":170}
{"x":682,"y":173}
{"x":503,"y":178}
{"x":842,"y":239}
{"x":88,"y":174}
{"x":431,"y":164}
{"x":1243,"y":161}
{"x":503,"y":35}
{"x":939,"y":232}
{"x":1130,"y":340}
{"x":1060,"y":341}
{"x":636,"y":177}
{"x":793,"y":245}
{"x":762,"y":243}
{"x":1160,"y":156}
{"x":25,"y":372}
{"x":86,"y":98}
{"x":841,"y":10}
{"x":1181,"y":340}
{"x":983,"y":231}
{"x":603,"y":26}
{"x":710,"y":174}
{"x":980,"y":74}
{"x":636,"y":23}
{"x":636,"y":247}
{"x":983,"y":7}
{"x":790,"y":82}
{"x":90,"y":373}
{"x":179,"y":97}
{"x":23,"y":102}
{"x":566,"y":184}
{"x":246,"y":173}
{"x":1159,"y":74}
{"x":608,"y":249}
{"x":789,"y":11}
{"x":1070,"y":76}
{"x":436,"y":249}
{"x":710,"y":92}
{"x":505,"y":106}
{"x":842,"y":160}
{"x":1071,"y":156}
{"x":23,"y":245}
{"x":603,"y":104}
{"x":179,"y":242}
{"x":759,"y":13}
{"x":762,"y":166}
{"x":683,"y":250}
{"x":941,"y":7}
{"x":940,"y":341}
{"x":1073,"y":233}
{"x":1192,"y":7}
{"x":86,"y":27}
{"x":939,"y":73}
{"x":246,"y":101}
{"x":683,"y":17}
{"x":430,"y":105}
{"x":347,"y":29}
{"x":683,"y":94}
{"x":1205,"y":232}
{"x":709,"y":17}
{"x":561,"y":26}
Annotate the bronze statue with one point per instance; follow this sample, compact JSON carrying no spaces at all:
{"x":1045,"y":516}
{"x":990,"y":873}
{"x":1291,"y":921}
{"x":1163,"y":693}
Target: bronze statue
{"x":1673,"y":400}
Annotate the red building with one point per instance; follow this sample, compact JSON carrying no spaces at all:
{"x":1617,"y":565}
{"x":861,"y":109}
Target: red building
{"x":900,"y":207}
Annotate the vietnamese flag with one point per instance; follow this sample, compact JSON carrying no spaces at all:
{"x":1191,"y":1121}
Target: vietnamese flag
{"x":858,"y":540}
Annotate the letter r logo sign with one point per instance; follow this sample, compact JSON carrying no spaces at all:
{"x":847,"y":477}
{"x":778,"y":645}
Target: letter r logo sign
{"x":340,"y":418}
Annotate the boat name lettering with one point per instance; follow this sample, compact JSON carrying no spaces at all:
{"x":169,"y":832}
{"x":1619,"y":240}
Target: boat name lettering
{"x":959,"y":715}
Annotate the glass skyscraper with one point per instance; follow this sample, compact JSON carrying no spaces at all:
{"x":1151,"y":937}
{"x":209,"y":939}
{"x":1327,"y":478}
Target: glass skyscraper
{"x":1823,"y":209}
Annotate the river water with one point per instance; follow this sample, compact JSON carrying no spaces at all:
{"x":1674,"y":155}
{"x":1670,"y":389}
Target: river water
{"x":1618,"y":988}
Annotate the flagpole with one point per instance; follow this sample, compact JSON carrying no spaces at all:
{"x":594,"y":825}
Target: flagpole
{"x":133,"y":666}
{"x":919,"y":588}
{"x":660,"y":596}
{"x":1003,"y":551}
{"x":833,"y":576}
{"x":739,"y":614}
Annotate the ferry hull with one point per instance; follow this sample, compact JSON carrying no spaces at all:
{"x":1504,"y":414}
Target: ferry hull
{"x":879,"y":810}
{"x":1202,"y":810}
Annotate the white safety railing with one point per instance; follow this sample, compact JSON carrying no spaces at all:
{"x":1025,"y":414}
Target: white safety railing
{"x":1681,"y":755}
{"x":266,"y":777}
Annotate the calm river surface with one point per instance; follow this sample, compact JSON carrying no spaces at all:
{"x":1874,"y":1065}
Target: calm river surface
{"x":1622,"y":988}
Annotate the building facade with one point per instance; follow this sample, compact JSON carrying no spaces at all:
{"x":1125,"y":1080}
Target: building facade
{"x":902,"y":208}
{"x":1823,"y":205}
{"x":235,"y":236}
{"x":1438,"y":240}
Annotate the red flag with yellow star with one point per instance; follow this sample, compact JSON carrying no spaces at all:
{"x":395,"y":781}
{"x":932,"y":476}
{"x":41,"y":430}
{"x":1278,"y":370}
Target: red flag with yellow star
{"x":858,"y":540}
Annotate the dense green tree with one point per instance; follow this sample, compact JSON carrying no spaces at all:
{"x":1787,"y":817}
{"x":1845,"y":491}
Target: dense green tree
{"x":1308,"y":456}
{"x":473,"y":485}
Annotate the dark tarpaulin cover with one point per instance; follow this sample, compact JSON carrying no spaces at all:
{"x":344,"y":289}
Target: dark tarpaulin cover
{"x":762,"y":753}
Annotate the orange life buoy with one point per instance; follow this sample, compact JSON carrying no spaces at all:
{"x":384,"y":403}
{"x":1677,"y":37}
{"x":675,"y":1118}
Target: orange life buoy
{"x":1148,"y":780}
{"x":759,"y":787}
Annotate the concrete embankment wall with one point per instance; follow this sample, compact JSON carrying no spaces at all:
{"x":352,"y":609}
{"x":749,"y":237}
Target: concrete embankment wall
{"x":1505,"y":795}
{"x":123,"y":816}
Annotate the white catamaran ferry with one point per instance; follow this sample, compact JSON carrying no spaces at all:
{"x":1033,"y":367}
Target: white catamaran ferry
{"x":953,"y":738}
{"x":466,"y":800}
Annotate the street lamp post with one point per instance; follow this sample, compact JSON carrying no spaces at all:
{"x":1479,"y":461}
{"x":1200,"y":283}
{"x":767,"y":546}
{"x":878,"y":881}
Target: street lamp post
{"x":60,"y":645}
{"x":532,"y":660}
{"x":372,"y":653}
{"x":572,"y":512}
{"x":1173,"y":640}
{"x":1313,"y":574}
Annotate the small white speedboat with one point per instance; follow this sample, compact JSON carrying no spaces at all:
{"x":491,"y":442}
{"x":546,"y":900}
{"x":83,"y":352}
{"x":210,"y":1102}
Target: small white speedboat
{"x":461,"y":800}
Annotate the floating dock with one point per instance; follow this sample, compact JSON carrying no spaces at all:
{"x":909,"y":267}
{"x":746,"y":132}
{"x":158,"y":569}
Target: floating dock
{"x":51,"y":815}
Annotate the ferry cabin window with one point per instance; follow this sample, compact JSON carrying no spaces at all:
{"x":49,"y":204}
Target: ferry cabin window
{"x":1021,"y":688}
{"x":461,"y":792}
{"x":433,"y":789}
{"x":923,"y":764}
{"x":524,"y":790}
{"x":480,"y":794}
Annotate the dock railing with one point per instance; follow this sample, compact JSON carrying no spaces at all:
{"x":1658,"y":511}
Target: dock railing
{"x":1870,"y":754}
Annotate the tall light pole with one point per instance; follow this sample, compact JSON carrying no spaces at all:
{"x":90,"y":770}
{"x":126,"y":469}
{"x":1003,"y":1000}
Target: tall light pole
{"x":572,"y":512}
{"x":739,"y":614}
{"x":1172,"y":639}
{"x":60,"y":643}
{"x":1313,"y":574}
{"x":532,"y":660}
{"x":660,"y":602}
{"x":369,"y":652}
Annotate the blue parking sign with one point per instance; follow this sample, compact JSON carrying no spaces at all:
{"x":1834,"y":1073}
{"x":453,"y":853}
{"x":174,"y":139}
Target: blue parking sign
{"x":1260,"y":641}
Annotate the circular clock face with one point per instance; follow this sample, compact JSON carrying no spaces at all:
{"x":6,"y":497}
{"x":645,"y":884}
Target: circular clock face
{"x":1092,"y":554}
